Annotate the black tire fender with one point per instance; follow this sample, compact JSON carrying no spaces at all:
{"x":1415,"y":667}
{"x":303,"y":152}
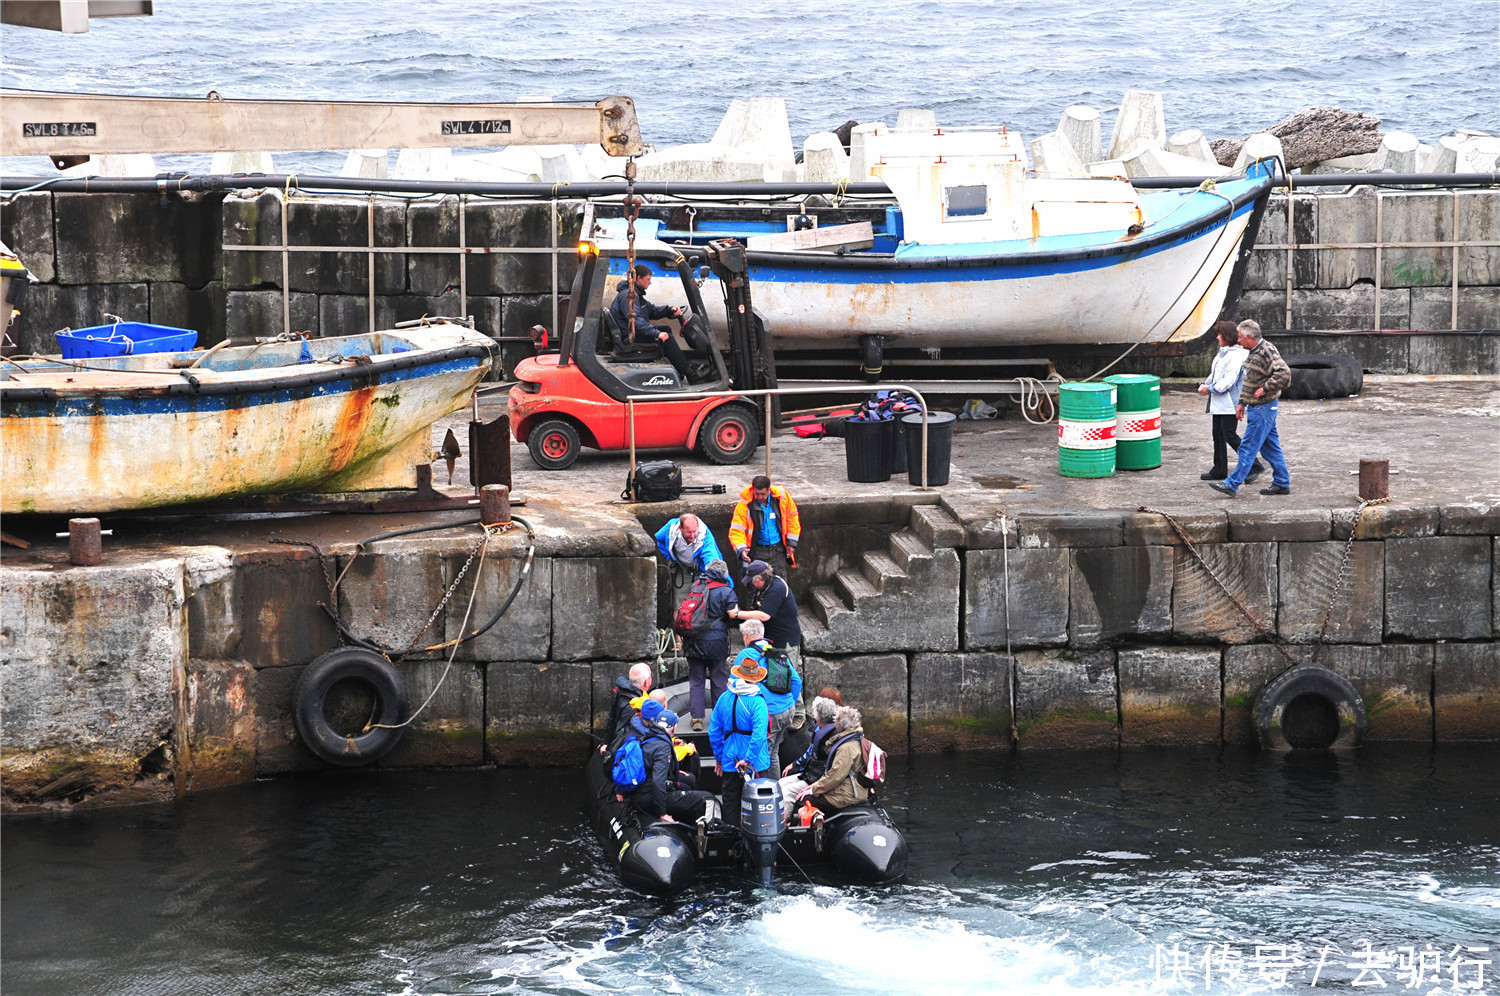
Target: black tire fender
{"x":1318,"y":682}
{"x":311,"y":696}
{"x":1320,"y":375}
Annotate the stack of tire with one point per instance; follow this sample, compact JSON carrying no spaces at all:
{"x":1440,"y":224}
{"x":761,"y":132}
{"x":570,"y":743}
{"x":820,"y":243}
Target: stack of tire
{"x":1316,"y":376}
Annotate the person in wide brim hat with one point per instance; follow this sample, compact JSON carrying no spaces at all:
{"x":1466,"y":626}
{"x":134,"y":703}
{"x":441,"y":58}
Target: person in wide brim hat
{"x":748,"y":670}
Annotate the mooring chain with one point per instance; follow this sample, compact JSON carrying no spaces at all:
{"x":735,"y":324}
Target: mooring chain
{"x":447,"y":595}
{"x":1222,"y":586}
{"x":1343,"y":575}
{"x":632,"y":212}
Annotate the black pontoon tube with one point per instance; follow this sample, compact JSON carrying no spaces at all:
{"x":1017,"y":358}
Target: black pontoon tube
{"x":184,"y":182}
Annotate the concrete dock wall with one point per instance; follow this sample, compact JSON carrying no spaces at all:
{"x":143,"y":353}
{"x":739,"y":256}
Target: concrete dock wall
{"x":172,"y":669}
{"x":172,"y":261}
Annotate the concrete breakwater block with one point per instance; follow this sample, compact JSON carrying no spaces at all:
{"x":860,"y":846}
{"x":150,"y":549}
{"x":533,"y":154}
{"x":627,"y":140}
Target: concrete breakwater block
{"x":960,"y":702}
{"x":875,"y":684}
{"x":26,"y":227}
{"x":124,"y":238}
{"x":1141,"y":123}
{"x":435,"y":223}
{"x":93,"y":659}
{"x":1079,"y":128}
{"x":622,"y":622}
{"x":1261,"y":145}
{"x":864,"y":148}
{"x":1156,"y":162}
{"x":1054,"y":154}
{"x":1307,"y":578}
{"x":1169,"y":695}
{"x":824,"y":159}
{"x":524,"y":633}
{"x":371,"y":164}
{"x":1398,"y":153}
{"x":1191,"y":143}
{"x":449,"y":731}
{"x":707,"y":164}
{"x":916,"y":119}
{"x":540,"y":714}
{"x":1066,"y":699}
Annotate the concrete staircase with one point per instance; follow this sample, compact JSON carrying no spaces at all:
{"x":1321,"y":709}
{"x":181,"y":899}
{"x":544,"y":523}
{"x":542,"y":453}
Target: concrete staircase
{"x":904,"y":597}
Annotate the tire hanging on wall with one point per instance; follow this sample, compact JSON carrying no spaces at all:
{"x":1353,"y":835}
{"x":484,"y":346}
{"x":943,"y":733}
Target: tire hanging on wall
{"x":311,"y":697}
{"x":1309,"y":682}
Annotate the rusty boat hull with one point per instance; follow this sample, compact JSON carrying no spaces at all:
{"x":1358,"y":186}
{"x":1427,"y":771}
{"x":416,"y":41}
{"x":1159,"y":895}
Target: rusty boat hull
{"x":326,"y":415}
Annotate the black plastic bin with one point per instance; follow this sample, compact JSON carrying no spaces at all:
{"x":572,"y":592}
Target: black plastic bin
{"x":898,"y":446}
{"x":867,"y":450}
{"x":939,"y":447}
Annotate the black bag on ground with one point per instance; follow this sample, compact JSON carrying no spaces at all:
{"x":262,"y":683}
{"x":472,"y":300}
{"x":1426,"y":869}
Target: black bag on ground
{"x":655,"y":480}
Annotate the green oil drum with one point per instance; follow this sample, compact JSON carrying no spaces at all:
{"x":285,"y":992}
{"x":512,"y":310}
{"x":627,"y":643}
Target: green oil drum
{"x":1137,"y":421}
{"x":1086,"y":430}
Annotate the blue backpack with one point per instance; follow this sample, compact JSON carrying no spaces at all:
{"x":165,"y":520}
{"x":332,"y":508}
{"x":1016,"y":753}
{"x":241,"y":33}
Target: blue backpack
{"x":629,"y":771}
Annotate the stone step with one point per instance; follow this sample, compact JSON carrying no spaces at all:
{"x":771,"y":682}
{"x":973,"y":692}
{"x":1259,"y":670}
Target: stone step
{"x":936,"y":526}
{"x":907,"y":546}
{"x":828,"y":605}
{"x":814,"y":633}
{"x":853,"y":586}
{"x":883,"y":573}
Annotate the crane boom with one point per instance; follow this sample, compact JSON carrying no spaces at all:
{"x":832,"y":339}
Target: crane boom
{"x":55,"y":124}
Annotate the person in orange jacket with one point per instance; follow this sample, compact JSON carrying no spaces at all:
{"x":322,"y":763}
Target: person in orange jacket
{"x":766,"y":526}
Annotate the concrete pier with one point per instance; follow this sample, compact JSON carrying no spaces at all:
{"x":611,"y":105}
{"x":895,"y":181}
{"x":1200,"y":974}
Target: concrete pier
{"x":171,"y":667}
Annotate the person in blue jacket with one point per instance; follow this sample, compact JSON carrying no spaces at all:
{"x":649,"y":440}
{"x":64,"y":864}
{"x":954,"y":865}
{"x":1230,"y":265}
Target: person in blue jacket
{"x":779,"y":703}
{"x":688,"y":548}
{"x":737,"y":735}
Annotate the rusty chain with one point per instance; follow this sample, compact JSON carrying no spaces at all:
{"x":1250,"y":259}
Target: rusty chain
{"x":1338,"y":584}
{"x":447,"y":595}
{"x":1343,"y":575}
{"x":632,"y":212}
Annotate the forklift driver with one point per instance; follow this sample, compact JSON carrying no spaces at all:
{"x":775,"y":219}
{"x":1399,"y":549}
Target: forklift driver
{"x":644,"y":332}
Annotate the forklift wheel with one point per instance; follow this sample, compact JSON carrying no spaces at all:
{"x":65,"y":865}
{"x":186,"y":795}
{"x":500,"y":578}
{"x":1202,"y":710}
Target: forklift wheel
{"x":729,"y":435}
{"x":554,"y":444}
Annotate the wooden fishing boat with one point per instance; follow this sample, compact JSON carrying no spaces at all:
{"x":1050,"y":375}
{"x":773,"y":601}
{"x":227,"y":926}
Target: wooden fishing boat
{"x":351,"y":413}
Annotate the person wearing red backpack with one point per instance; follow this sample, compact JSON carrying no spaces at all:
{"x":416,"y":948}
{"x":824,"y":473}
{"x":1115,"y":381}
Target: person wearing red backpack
{"x":839,"y":788}
{"x":707,"y":652}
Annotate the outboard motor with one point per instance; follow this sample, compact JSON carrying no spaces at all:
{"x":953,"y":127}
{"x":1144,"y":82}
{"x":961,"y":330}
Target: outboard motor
{"x":760,"y":825}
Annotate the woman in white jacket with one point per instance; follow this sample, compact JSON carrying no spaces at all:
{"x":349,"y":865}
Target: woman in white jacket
{"x":1223,"y":390}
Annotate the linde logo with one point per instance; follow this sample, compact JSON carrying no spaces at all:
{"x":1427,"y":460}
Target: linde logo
{"x":660,"y":380}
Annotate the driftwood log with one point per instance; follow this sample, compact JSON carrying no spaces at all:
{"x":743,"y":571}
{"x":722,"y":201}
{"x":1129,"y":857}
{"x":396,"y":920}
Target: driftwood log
{"x":1313,"y":136}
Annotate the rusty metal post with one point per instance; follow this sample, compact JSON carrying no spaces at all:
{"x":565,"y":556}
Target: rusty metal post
{"x":85,"y":547}
{"x":1374,"y":479}
{"x":494,"y":505}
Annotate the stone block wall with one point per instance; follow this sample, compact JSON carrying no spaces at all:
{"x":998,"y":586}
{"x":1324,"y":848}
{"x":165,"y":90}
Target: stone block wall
{"x":146,"y":258}
{"x":1334,"y":289}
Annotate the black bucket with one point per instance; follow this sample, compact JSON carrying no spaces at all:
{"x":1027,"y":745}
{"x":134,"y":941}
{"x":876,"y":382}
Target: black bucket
{"x":867,"y":450}
{"x":939,"y":447}
{"x":898,"y":446}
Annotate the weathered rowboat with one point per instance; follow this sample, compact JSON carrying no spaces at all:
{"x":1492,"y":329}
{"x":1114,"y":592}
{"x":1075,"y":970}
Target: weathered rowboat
{"x":978,"y":252}
{"x":352,"y":413}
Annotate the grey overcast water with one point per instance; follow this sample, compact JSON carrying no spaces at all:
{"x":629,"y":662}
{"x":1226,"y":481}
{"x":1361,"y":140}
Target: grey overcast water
{"x":1183,"y":871}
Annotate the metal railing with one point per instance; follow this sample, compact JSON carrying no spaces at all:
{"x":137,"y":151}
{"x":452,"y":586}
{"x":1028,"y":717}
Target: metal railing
{"x":768,"y":393}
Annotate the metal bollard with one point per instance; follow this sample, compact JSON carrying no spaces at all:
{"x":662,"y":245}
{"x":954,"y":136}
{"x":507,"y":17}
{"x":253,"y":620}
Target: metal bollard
{"x":494,"y":505}
{"x":85,"y":545}
{"x":1374,"y":479}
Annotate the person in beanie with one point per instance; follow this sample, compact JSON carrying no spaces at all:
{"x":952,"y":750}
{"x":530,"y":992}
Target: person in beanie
{"x":737,"y":733}
{"x":659,"y":797}
{"x":708,"y":653}
{"x":1266,"y":376}
{"x":1222,"y":388}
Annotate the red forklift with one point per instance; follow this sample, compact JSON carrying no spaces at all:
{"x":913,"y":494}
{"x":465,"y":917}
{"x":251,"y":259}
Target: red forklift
{"x":575,"y":396}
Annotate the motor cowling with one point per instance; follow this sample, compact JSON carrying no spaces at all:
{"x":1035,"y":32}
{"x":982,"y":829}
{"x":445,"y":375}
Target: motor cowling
{"x":760,"y":825}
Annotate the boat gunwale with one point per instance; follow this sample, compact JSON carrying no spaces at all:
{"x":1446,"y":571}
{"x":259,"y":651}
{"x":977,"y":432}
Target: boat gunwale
{"x":191,"y":386}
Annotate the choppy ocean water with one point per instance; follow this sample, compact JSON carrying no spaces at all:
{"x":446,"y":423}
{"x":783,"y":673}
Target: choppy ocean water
{"x":1228,"y":68}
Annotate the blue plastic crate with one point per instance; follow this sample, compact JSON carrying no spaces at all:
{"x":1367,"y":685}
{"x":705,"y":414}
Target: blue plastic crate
{"x":124,"y":338}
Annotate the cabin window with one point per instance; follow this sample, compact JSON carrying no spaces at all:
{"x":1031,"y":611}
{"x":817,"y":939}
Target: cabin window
{"x":969,"y":201}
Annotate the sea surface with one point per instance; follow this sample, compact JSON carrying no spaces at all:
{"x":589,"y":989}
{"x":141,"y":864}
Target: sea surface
{"x":1138,"y":872}
{"x":1228,"y":68}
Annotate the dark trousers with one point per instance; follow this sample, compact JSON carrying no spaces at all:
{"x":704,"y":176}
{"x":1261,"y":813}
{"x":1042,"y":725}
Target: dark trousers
{"x":773,"y":555}
{"x":703,"y":671}
{"x":734,"y":787}
{"x":1226,"y":441}
{"x":687,"y":804}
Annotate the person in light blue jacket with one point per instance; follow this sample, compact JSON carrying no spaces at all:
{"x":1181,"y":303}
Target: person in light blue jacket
{"x":1223,"y":391}
{"x":689,"y":548}
{"x":737,"y":735}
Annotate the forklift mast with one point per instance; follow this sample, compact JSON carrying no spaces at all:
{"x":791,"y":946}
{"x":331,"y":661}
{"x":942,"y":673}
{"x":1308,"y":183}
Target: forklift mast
{"x":752,"y":360}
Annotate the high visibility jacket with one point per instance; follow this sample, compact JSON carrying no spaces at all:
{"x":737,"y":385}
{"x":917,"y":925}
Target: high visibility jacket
{"x":746,"y":522}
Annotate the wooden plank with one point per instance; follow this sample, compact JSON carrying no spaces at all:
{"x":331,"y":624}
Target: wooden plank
{"x":860,"y":235}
